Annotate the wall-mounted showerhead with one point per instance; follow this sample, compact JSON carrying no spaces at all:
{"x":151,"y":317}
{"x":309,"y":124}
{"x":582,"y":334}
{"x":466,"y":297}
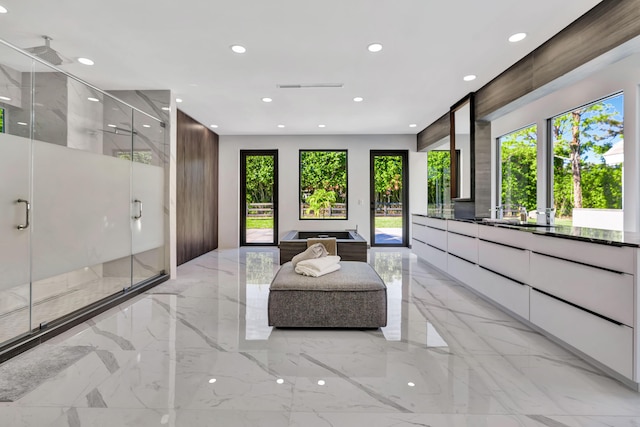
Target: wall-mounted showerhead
{"x":46,"y":52}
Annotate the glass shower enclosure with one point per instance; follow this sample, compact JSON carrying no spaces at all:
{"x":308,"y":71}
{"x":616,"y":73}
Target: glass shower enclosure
{"x":82,"y":196}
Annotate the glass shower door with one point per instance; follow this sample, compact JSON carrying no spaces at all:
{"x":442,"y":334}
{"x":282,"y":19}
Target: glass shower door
{"x":15,"y":197}
{"x":147,"y":198}
{"x":81,"y":238}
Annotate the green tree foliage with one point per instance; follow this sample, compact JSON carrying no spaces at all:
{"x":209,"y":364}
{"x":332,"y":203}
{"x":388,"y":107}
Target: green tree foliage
{"x":438,"y":174}
{"x":582,"y":179}
{"x":323,"y":180}
{"x":388,"y":178}
{"x":259,"y":176}
{"x":320,"y":201}
{"x":519,"y":168}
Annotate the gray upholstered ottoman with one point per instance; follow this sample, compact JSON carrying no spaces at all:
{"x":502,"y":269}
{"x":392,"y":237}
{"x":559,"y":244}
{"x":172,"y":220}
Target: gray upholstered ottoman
{"x":352,"y":297}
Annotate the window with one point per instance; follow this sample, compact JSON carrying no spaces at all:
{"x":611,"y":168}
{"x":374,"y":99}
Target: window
{"x":323,"y":184}
{"x":587,"y":165}
{"x":518,"y":168}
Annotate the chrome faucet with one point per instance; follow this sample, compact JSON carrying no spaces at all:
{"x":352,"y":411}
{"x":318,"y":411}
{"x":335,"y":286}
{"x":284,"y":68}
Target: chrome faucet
{"x":549,"y":216}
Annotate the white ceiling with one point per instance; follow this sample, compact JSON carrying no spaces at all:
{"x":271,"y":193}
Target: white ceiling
{"x":184,"y":45}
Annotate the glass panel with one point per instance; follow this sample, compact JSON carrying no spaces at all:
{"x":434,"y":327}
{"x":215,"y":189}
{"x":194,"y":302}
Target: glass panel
{"x":388,"y":193}
{"x":438,"y":181}
{"x":81,"y":196}
{"x":147,"y":207}
{"x":323,"y":184}
{"x":259,"y":198}
{"x":15,"y":166}
{"x":588,"y":156}
{"x":518,"y":170}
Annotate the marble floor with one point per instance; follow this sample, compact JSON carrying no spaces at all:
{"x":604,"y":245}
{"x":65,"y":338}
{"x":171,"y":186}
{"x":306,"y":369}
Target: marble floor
{"x":197,"y":351}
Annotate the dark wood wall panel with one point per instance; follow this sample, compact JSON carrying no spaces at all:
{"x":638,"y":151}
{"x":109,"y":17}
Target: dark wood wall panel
{"x":434,"y":132}
{"x":197,"y":184}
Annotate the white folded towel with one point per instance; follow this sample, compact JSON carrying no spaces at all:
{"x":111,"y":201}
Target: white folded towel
{"x":312,"y":272}
{"x":319,"y":266}
{"x":314,"y":251}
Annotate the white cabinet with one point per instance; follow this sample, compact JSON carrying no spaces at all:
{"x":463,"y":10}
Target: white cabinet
{"x":436,"y":223}
{"x":508,"y":293}
{"x":462,"y":227}
{"x":463,"y":246}
{"x":606,"y":256}
{"x":582,"y":293}
{"x":461,"y":270}
{"x":436,"y":237}
{"x":605,"y":341}
{"x":605,"y":292}
{"x":511,"y":261}
{"x":420,"y":232}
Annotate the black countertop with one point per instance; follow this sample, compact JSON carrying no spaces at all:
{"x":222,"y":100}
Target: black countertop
{"x":584,"y":234}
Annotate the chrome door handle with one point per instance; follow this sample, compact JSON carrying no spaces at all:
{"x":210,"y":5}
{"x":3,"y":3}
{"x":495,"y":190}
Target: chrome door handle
{"x":139,"y":211}
{"x":27,"y":211}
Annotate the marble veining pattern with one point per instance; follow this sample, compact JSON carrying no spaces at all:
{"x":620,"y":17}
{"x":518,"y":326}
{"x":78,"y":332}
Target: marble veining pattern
{"x":197,"y":351}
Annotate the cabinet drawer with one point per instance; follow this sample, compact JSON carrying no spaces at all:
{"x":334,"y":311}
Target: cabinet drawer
{"x":605,"y":292}
{"x":512,"y":295}
{"x":436,"y":237}
{"x":606,"y":342}
{"x":419,"y":219}
{"x":461,"y":270}
{"x":461,"y":227}
{"x":462,"y":246}
{"x":492,"y":233}
{"x":436,"y":223}
{"x":436,"y":257}
{"x":420,"y":232}
{"x":612,"y":257}
{"x":419,"y":248}
{"x":512,"y":262}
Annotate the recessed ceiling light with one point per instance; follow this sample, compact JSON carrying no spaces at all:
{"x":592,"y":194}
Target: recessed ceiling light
{"x":214,"y":126}
{"x":92,"y":99}
{"x":517,"y":37}
{"x":267,"y":99}
{"x":112,"y":126}
{"x":85,"y":61}
{"x":3,"y":9}
{"x":22,"y":123}
{"x":413,"y":125}
{"x":410,"y":384}
{"x":280,"y":126}
{"x":322,"y":126}
{"x":166,"y":108}
{"x":5,"y":98}
{"x":178,"y":100}
{"x":321,"y":382}
{"x":146,"y":126}
{"x":358,"y":99}
{"x":280,"y":381}
{"x":238,"y":49}
{"x":469,"y":77}
{"x":212,"y":380}
{"x":374,"y":47}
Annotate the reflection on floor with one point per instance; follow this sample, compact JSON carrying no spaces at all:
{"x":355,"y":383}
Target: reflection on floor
{"x":197,"y":351}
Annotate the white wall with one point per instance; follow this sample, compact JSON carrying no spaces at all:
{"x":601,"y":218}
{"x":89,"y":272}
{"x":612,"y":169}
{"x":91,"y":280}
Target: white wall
{"x":620,"y":76}
{"x":288,"y":147}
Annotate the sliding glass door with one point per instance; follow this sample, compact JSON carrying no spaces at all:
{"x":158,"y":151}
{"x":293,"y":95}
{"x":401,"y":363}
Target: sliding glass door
{"x":259,"y":197}
{"x":82,"y":196}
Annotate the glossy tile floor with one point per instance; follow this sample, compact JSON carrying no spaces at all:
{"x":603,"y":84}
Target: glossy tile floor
{"x":197,"y":351}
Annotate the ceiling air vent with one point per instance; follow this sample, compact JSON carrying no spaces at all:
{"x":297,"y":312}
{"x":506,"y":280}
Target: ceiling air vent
{"x":312,"y":85}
